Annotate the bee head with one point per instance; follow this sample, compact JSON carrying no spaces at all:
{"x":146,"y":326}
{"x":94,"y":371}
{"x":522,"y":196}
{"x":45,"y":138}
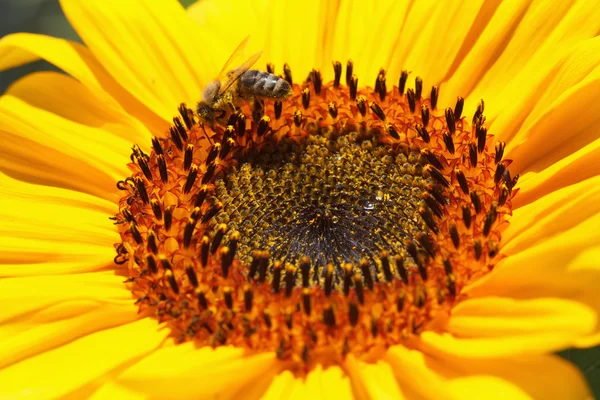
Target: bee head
{"x":207,"y":113}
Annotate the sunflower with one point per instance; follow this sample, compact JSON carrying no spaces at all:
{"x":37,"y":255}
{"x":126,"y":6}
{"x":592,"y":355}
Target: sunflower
{"x":334,"y":239}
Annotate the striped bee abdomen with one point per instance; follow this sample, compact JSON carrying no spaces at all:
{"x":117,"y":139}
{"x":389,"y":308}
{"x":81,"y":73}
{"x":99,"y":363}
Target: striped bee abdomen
{"x":255,"y":83}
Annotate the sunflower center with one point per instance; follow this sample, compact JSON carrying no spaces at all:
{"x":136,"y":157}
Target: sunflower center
{"x":334,"y":197}
{"x":340,"y":220}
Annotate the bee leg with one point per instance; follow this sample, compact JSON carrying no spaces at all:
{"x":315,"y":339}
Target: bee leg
{"x":231,"y":105}
{"x":206,"y":134}
{"x":228,"y":101}
{"x":258,"y":107}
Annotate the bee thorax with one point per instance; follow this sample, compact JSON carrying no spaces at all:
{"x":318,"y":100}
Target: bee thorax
{"x":211,"y":92}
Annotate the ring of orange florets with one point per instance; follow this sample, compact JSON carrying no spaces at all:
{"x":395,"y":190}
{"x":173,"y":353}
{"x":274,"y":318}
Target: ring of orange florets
{"x":183,"y":258}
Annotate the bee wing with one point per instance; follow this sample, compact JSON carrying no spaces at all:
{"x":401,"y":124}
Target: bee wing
{"x":235,"y":74}
{"x":238,"y":54}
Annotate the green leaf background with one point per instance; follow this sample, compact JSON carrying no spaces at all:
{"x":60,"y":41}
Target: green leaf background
{"x":45,"y":16}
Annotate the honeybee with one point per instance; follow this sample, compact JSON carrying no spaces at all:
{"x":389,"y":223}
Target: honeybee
{"x":241,"y":83}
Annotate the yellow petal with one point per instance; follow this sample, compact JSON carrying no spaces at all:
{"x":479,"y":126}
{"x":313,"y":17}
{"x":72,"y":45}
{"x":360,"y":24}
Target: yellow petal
{"x":319,"y":383}
{"x":575,"y":85}
{"x":545,"y":217}
{"x":584,"y":272}
{"x":528,"y":376}
{"x":308,"y":29}
{"x":433,"y":373}
{"x":303,"y":389}
{"x":152,"y":49}
{"x":77,"y":61}
{"x":438,"y":40}
{"x":70,"y":99}
{"x":280,"y":387}
{"x":247,"y":17}
{"x":30,"y":257}
{"x":335,"y":383}
{"x":20,"y":158}
{"x":506,"y":318}
{"x":226,"y":373}
{"x":546,"y":265}
{"x":372,"y":380}
{"x":301,"y":24}
{"x":58,"y":324}
{"x":112,"y":391}
{"x":418,"y":375}
{"x":507,"y":346}
{"x":87,"y":148}
{"x":572,"y":169}
{"x":543,"y":377}
{"x":396,"y":25}
{"x":484,"y":387}
{"x":354,"y":38}
{"x":86,"y":359}
{"x":48,"y":230}
{"x":565,"y":266}
{"x":22,"y":296}
{"x":492,"y":30}
{"x":540,"y":42}
{"x":535,"y":326}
